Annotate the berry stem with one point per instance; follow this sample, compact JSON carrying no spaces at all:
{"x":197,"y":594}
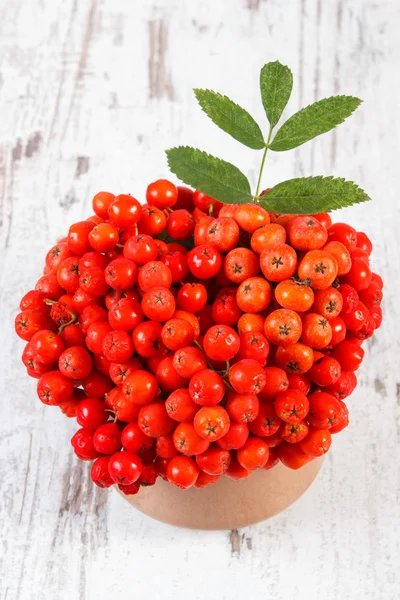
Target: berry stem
{"x":262,"y":165}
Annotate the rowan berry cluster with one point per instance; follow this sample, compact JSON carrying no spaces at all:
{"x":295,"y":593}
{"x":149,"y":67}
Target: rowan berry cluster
{"x":192,"y":339}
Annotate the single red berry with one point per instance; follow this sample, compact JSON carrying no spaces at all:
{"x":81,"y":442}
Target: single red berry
{"x":165,"y":447}
{"x":242,"y":408}
{"x":253,"y":346}
{"x":267,"y":423}
{"x":276,"y":382}
{"x":182,"y":471}
{"x":147,"y":339}
{"x":318,"y":267}
{"x":349,"y":354}
{"x":341,"y":232}
{"x":91,"y":413}
{"x":68,"y":274}
{"x":126,"y":314}
{"x":235,"y":470}
{"x":104,"y":237}
{"x":78,"y":237}
{"x":291,"y":406}
{"x":187,"y":441}
{"x":317,"y":442}
{"x":206,"y":203}
{"x":96,"y":384}
{"x":204,"y":261}
{"x":154,"y":421}
{"x":302,"y":383}
{"x":54,"y":388}
{"x":214,"y":461}
{"x":328,"y":303}
{"x":47,"y":346}
{"x":294,"y":295}
{"x":221,"y":342}
{"x":188,"y":361}
{"x":247,"y":376}
{"x":152,"y":221}
{"x":292,"y":456}
{"x":235,"y":437}
{"x":162,"y":194}
{"x":344,"y":386}
{"x":180,"y":225}
{"x":101,"y":202}
{"x":140,"y":387}
{"x":121,"y":274}
{"x":223,"y":233}
{"x":341,"y":254}
{"x":34,"y":300}
{"x":177,"y":334}
{"x":325,"y":371}
{"x":176,"y":261}
{"x":50,"y":286}
{"x":253,"y":454}
{"x":306,"y":233}
{"x":125,"y":467}
{"x":240,"y":264}
{"x":92,"y":259}
{"x":317,"y":331}
{"x":75,"y":363}
{"x":338,"y":331}
{"x":251,"y":217}
{"x":294,"y":432}
{"x":93,"y":281}
{"x":168,"y":379}
{"x":154,"y":274}
{"x":356,"y":318}
{"x":180,"y":406}
{"x":283,"y":327}
{"x":359,"y":276}
{"x":99,"y":473}
{"x":211,"y":422}
{"x":140,"y":249}
{"x":117,"y":346}
{"x":297,"y":358}
{"x":134,"y":440}
{"x":107,"y":438}
{"x":192,"y":297}
{"x":325,"y":410}
{"x":56,"y":255}
{"x":225,"y":309}
{"x":95,"y":335}
{"x":278,"y":262}
{"x":344,"y":420}
{"x":253,"y":295}
{"x":82,"y":299}
{"x":83,"y":444}
{"x":158,"y":304}
{"x":124,"y":211}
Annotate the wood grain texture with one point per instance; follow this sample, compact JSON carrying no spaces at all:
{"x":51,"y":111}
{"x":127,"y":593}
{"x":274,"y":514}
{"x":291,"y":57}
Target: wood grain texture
{"x":91,"y":93}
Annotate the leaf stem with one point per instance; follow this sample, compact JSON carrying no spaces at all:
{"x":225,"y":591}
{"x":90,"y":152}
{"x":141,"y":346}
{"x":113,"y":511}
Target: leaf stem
{"x":262,"y":165}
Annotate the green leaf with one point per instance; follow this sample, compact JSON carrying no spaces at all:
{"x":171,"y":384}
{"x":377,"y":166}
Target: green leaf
{"x":276,"y":82}
{"x":315,"y":119}
{"x":212,"y":176}
{"x":231,"y":117}
{"x":312,"y":195}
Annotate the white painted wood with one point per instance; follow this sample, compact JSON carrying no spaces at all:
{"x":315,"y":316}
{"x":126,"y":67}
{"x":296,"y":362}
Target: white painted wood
{"x":91,"y":93}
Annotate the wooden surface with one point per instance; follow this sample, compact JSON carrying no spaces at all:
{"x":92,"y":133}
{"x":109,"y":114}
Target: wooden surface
{"x":91,"y":93}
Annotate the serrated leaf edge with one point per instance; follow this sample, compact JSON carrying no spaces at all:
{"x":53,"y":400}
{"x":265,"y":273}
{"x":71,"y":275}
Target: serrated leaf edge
{"x":234,"y":189}
{"x":218,"y":94}
{"x":302,"y":110}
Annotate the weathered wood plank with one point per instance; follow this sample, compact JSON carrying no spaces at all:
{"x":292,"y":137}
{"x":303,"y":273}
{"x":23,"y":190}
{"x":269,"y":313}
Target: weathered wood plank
{"x":91,"y":93}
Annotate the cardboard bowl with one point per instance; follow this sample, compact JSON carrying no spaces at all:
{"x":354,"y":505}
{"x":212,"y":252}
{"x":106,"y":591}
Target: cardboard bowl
{"x":226,"y":504}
